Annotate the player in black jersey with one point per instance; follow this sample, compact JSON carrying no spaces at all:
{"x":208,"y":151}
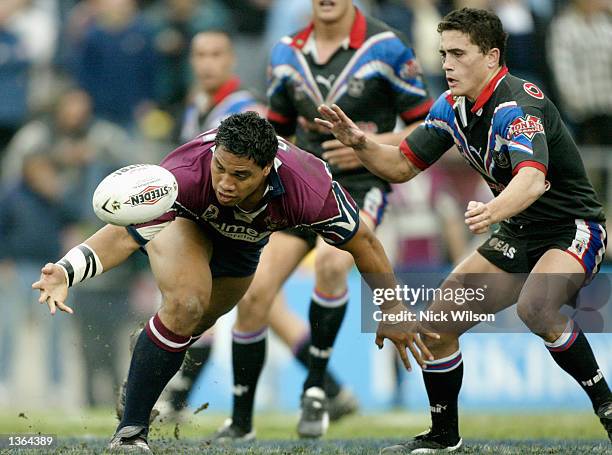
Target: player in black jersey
{"x":370,"y":70}
{"x":346,"y":58}
{"x":551,"y":221}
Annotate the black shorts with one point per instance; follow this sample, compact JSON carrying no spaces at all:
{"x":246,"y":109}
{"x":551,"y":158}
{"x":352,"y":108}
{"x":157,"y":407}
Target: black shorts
{"x":230,"y":258}
{"x":372,"y":201}
{"x":516,"y":249}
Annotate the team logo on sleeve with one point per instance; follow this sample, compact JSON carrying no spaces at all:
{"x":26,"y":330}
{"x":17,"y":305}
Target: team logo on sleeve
{"x":527,"y":126}
{"x":410,"y":70}
{"x":533,"y":90}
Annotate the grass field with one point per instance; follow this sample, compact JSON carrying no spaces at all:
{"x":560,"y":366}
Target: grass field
{"x":89,"y":432}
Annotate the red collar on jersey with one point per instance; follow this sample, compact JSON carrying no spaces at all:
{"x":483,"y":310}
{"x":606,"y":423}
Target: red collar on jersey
{"x":226,"y":89}
{"x":485,"y":95}
{"x":356,"y":38}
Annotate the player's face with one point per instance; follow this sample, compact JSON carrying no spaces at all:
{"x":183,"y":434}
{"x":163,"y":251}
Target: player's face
{"x":212,"y":60}
{"x":330,"y":11}
{"x":237,"y":179}
{"x":467,"y":69}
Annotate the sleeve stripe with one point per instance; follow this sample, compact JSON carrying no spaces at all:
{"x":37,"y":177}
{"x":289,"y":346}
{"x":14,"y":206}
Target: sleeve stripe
{"x":417,"y":112}
{"x":535,"y":164}
{"x":414,"y":159}
{"x":276,"y":117}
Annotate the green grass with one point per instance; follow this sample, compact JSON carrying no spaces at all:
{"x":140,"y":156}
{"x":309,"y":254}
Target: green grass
{"x":497,"y":434}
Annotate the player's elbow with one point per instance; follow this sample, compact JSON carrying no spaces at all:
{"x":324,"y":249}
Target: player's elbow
{"x":401,"y":174}
{"x":538,"y":185}
{"x":534,"y":183}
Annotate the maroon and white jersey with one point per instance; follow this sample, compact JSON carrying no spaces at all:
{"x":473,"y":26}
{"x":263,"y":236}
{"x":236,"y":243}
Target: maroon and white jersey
{"x":301,"y":192}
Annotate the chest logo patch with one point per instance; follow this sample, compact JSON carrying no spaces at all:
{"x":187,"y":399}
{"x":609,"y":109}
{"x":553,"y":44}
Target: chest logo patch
{"x":211,"y":213}
{"x":355,"y":87}
{"x":527,"y":126}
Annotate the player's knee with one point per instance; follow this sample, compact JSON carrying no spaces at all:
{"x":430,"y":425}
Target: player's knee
{"x":254,"y":310}
{"x":533,"y":314}
{"x":445,"y":341}
{"x":331,"y":269}
{"x":185,"y":309}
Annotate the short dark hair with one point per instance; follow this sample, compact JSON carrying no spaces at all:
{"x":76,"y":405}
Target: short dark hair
{"x":483,"y":27}
{"x":247,"y":134}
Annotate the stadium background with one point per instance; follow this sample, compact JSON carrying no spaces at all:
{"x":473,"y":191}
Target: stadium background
{"x":73,"y":364}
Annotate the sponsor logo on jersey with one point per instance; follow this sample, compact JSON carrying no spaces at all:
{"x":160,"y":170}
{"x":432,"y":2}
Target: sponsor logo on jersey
{"x":238,"y":232}
{"x":533,"y":90}
{"x":527,"y":126}
{"x":149,"y":196}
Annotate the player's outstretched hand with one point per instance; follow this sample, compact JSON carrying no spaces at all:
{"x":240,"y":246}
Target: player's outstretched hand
{"x":337,"y":122}
{"x":404,"y":335}
{"x":53,"y":288}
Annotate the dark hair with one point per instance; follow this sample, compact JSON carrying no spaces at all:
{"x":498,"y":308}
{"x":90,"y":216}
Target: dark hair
{"x":483,"y":27}
{"x":247,"y":134}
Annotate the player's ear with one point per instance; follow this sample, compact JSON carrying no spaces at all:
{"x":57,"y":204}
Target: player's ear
{"x":493,"y":58}
{"x":267,"y":169}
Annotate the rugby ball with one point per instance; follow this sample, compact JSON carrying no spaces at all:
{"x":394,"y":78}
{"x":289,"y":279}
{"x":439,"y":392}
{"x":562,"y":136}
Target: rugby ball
{"x":135,"y":194}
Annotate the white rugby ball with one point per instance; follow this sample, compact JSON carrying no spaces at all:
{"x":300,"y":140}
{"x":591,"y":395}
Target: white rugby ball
{"x":135,"y":194}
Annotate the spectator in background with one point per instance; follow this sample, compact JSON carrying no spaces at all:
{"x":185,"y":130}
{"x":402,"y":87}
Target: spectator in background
{"x":83,"y":150}
{"x":37,"y":195}
{"x":217,"y":92}
{"x":580,"y":55}
{"x":176,"y":23}
{"x":526,"y":40}
{"x":116,"y":62}
{"x":27,"y":43}
{"x":86,"y":148}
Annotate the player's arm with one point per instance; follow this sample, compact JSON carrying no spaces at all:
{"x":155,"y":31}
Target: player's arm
{"x":107,"y":248}
{"x":523,"y":190}
{"x":372,"y":263}
{"x":529,"y":159}
{"x":385,"y":161}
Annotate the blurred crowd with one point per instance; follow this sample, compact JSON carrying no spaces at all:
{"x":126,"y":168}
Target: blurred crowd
{"x":88,"y":86}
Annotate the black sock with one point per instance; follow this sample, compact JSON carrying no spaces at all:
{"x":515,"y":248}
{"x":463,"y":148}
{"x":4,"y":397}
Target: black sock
{"x":574,"y":355}
{"x":195,"y":362}
{"x":248,"y":357}
{"x":331,"y":385}
{"x":326,"y":315}
{"x":157,"y":357}
{"x":443,"y":379}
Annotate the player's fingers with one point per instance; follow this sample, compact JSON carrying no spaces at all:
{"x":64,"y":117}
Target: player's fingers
{"x":433,"y":335}
{"x":51,"y":304}
{"x":401,"y":349}
{"x":417,"y":355}
{"x":323,"y":123}
{"x":328,"y":113}
{"x":62,"y":306}
{"x":43,"y":297}
{"x":340,"y":113}
{"x":333,"y":145}
{"x":425,"y":352}
{"x":472,"y":204}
